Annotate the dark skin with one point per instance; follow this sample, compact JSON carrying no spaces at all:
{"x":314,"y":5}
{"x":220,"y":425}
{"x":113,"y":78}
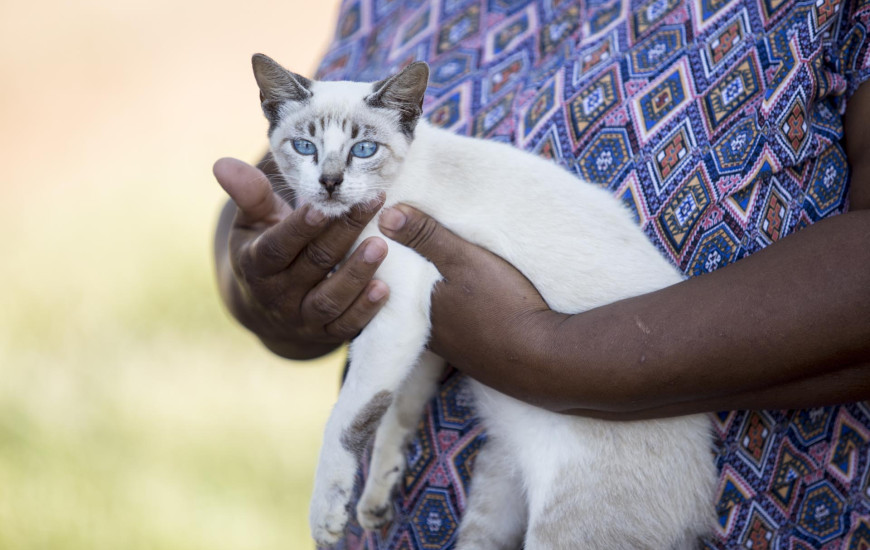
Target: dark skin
{"x":273,"y":264}
{"x":788,"y":327}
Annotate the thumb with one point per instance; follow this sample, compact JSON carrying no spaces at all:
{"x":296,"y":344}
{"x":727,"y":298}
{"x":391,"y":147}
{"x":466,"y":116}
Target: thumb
{"x":250,"y":189}
{"x":414,"y":229}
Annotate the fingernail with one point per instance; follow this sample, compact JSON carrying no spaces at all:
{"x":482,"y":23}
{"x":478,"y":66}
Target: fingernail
{"x":393,"y":219}
{"x":377,"y":292}
{"x":374,"y":251}
{"x":314,"y":216}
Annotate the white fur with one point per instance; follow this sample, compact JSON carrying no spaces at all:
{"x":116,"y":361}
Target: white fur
{"x":550,"y":480}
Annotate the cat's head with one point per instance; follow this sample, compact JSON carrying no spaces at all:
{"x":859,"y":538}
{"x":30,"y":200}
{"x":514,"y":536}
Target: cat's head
{"x":339,"y":143}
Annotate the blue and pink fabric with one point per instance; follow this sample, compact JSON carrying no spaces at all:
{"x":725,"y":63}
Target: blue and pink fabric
{"x":718,"y":123}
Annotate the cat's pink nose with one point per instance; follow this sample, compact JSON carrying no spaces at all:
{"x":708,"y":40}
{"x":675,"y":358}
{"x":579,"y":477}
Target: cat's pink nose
{"x":331,"y":182}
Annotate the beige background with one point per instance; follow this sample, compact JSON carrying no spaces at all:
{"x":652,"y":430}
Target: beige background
{"x":133,"y":413}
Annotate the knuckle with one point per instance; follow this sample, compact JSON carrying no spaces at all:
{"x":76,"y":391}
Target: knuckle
{"x":342,"y":329}
{"x":320,"y":257}
{"x":268,"y":251}
{"x":422,"y":233}
{"x":294,"y":230}
{"x":356,"y":274}
{"x":322,"y":306}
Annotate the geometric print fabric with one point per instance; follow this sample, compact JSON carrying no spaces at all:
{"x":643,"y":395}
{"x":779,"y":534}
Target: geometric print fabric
{"x":718,"y":123}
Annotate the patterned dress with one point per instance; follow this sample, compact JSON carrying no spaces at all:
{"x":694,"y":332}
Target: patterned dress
{"x":718,"y":123}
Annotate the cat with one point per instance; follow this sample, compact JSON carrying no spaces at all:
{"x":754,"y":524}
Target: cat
{"x":542,"y":479}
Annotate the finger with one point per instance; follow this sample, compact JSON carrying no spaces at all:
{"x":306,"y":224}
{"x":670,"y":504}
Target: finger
{"x":325,"y":252}
{"x":416,"y":230}
{"x":363,"y":309}
{"x":275,"y":249}
{"x":251,"y":191}
{"x":330,"y":299}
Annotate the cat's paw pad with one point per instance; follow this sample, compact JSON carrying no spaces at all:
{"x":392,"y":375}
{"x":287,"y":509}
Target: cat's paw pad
{"x":374,"y":515}
{"x":329,"y":515}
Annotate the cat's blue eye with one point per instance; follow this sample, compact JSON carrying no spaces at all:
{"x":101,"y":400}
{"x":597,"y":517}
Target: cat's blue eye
{"x":364,"y":149}
{"x":304,"y":147}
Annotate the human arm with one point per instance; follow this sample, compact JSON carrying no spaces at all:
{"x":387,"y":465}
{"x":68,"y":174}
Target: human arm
{"x":788,"y":327}
{"x":273,"y":266}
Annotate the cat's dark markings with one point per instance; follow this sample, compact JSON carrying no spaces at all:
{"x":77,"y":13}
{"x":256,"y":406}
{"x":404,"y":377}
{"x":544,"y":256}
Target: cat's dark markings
{"x":356,"y":438}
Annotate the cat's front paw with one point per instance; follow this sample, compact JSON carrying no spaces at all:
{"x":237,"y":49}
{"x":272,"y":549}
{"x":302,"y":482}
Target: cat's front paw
{"x":329,"y":513}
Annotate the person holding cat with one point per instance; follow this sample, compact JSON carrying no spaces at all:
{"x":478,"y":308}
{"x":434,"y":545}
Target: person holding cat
{"x":733,"y":131}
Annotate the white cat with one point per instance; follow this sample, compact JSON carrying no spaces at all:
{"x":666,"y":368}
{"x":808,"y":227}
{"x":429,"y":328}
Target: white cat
{"x":542,"y":479}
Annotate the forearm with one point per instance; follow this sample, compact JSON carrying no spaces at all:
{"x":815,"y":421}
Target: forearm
{"x":777,"y":329}
{"x":788,"y":327}
{"x":845,"y":385}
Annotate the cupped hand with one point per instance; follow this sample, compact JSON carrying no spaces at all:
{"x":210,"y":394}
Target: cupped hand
{"x":487,"y":318}
{"x":279,"y":281}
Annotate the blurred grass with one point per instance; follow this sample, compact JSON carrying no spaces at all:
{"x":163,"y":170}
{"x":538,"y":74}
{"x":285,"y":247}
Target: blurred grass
{"x":133,"y":412}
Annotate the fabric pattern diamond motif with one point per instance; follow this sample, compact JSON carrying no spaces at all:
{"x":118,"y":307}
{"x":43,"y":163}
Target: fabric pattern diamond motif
{"x":719,"y":124}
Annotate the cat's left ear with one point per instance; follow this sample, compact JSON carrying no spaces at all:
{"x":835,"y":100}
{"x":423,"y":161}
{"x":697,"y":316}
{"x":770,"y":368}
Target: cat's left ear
{"x":403,"y":92}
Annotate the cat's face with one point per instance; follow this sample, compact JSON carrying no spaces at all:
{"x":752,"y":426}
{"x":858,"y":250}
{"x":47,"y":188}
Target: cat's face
{"x":339,"y":143}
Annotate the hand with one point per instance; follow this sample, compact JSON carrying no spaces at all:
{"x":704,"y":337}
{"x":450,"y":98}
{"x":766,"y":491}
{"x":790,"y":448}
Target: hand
{"x":274,"y":271}
{"x":486,"y":316}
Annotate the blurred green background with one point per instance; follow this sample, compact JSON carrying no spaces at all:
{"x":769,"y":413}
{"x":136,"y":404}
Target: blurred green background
{"x":133,"y":412}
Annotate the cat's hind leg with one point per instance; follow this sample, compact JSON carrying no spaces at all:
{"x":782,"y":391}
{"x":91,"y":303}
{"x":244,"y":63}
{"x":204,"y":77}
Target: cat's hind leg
{"x":622,"y":485}
{"x":496,"y":515}
{"x":400,"y":421}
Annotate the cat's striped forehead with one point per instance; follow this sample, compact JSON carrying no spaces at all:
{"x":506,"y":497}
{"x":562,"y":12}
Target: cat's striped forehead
{"x":348,"y":124}
{"x":339,"y":107}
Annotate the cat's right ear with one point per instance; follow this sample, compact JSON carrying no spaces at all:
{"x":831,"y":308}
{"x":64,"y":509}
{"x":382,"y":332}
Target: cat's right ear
{"x":278,"y":86}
